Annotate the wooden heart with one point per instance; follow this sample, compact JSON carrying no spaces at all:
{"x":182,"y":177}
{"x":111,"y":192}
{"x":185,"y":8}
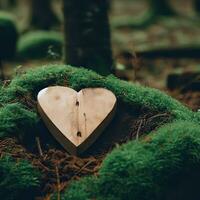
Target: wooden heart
{"x":74,"y":118}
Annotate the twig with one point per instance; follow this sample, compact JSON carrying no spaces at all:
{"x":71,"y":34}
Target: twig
{"x":5,"y":83}
{"x":83,"y":168}
{"x":138,"y":130}
{"x":41,"y":165}
{"x":39,"y":146}
{"x":158,"y":115}
{"x":58,"y":183}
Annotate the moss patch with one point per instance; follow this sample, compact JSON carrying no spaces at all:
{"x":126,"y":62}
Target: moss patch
{"x":17,"y":121}
{"x":40,"y":45}
{"x":131,"y":94}
{"x":18,"y":103}
{"x":18,"y":179}
{"x":24,"y":89}
{"x":147,"y":169}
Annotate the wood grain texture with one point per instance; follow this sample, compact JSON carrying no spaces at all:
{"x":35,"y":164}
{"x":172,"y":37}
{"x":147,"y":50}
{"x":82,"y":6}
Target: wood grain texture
{"x":76,"y":119}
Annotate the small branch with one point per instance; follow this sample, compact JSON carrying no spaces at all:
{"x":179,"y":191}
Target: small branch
{"x":158,"y":115}
{"x":58,"y":183}
{"x":139,"y":128}
{"x":39,"y":146}
{"x":84,"y":166}
{"x":6,"y":83}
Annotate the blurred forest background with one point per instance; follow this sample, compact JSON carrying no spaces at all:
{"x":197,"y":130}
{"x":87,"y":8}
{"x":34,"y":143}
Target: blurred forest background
{"x":153,"y":42}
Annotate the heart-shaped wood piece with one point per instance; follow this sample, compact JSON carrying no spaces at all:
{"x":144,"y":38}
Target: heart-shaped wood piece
{"x":74,"y":118}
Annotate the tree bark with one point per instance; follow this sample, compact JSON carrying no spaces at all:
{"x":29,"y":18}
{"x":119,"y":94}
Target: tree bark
{"x":87,"y":35}
{"x":42,"y":15}
{"x":197,"y":5}
{"x":12,"y":2}
{"x":2,"y":75}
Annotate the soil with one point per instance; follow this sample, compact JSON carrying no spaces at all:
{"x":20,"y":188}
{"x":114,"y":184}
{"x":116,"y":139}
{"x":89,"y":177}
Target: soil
{"x":57,"y":167}
{"x":190,"y":99}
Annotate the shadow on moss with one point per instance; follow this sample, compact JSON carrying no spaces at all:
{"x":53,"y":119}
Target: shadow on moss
{"x":40,"y":45}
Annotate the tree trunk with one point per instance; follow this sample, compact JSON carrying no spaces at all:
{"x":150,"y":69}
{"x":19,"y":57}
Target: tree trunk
{"x":87,"y":35}
{"x":6,"y":5}
{"x":42,"y":15}
{"x":2,"y":75}
{"x":197,"y":5}
{"x":12,"y":2}
{"x":162,"y":7}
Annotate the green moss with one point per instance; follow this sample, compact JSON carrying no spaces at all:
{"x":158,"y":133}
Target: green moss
{"x":30,"y":83}
{"x":133,"y":94}
{"x":8,"y":36}
{"x":136,"y":170}
{"x":19,"y":180}
{"x":133,"y":22}
{"x":40,"y":45}
{"x":145,"y":169}
{"x":84,"y":185}
{"x":16,"y":121}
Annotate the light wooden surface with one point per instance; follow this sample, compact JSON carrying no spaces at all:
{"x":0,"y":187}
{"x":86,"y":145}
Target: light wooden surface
{"x":76,"y":119}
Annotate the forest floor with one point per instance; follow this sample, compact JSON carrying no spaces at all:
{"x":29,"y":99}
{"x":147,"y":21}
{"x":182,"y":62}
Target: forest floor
{"x":59,"y":168}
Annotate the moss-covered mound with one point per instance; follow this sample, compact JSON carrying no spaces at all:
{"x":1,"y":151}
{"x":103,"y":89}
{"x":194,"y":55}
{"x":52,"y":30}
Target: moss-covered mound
{"x":18,"y":179}
{"x":20,"y":120}
{"x":29,"y":84}
{"x":163,"y":166}
{"x":16,"y":121}
{"x":133,"y":22}
{"x":8,"y":36}
{"x":40,"y":45}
